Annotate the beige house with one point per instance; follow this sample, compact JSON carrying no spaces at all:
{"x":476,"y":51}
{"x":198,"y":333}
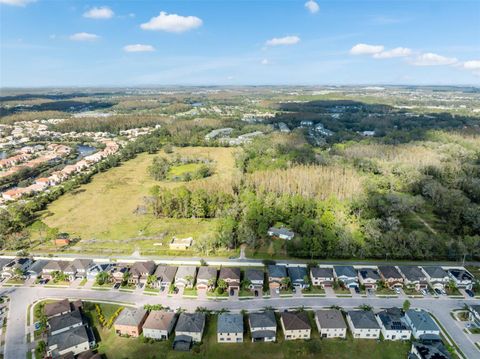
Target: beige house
{"x":230,"y":328}
{"x":159,"y":325}
{"x":295,"y":325}
{"x":330,"y":323}
{"x":130,"y":322}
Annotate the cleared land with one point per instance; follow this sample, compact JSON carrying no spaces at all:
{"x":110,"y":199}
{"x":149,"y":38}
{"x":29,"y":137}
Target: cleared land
{"x":103,"y":213}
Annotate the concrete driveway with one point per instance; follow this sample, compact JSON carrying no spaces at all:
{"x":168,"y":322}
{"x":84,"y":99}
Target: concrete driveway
{"x":329,"y":292}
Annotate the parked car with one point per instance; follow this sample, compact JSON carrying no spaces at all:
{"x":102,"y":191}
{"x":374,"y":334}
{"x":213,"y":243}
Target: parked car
{"x":357,"y":290}
{"x":438,"y":291}
{"x":397,"y":290}
{"x":424,"y":291}
{"x":470,"y":293}
{"x":116,"y":286}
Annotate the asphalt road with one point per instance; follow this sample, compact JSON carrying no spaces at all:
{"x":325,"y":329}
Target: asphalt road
{"x":21,"y":297}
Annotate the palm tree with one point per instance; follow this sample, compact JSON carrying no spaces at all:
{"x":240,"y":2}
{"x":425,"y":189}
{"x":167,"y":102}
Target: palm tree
{"x":151,"y":280}
{"x":286,"y":282}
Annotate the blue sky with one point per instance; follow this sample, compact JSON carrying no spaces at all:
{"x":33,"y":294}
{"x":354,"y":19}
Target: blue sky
{"x":141,"y":42}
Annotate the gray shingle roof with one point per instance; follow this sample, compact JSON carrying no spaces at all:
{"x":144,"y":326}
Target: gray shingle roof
{"x":191,"y":322}
{"x":166,"y":273}
{"x":254,"y":274}
{"x":277,"y":271}
{"x":390,"y":272}
{"x":281,"y":231}
{"x":142,"y":268}
{"x":363,"y":319}
{"x":421,"y":320}
{"x":78,"y":265}
{"x":131,"y":316}
{"x":331,"y":318}
{"x":37,"y":266}
{"x":229,"y":273}
{"x":69,"y":339}
{"x":230,"y":323}
{"x":297,"y":274}
{"x":185,"y":271}
{"x":412,"y":273}
{"x":57,"y":307}
{"x":65,"y":320}
{"x":4,"y":262}
{"x":260,"y":320}
{"x":393,"y":319}
{"x":295,"y":321}
{"x":347,"y":271}
{"x":435,"y":272}
{"x":318,"y":272}
{"x":369,"y":273}
{"x":207,"y":273}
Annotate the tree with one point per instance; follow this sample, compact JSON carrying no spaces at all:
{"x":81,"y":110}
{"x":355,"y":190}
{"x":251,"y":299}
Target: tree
{"x":126,"y":277}
{"x":406,"y":305}
{"x":41,"y":349}
{"x":221,"y":284}
{"x":102,"y":277}
{"x":286,"y":282}
{"x":151,"y":280}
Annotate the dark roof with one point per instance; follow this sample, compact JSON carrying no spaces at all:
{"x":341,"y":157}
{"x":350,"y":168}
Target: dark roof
{"x":56,"y":265}
{"x":263,"y":334}
{"x":421,"y":320}
{"x":57,"y":307}
{"x":297,"y":274}
{"x":78,"y":264}
{"x":369,"y":273}
{"x":230,"y":272}
{"x":435,"y":272}
{"x":182,"y":343}
{"x":412,"y":273}
{"x":65,"y":320}
{"x":142,"y":268}
{"x":166,"y":273}
{"x":260,"y":320}
{"x":131,"y":316}
{"x":363,"y":319}
{"x":37,"y":266}
{"x":254,"y":274}
{"x":331,"y":318}
{"x":390,"y":272}
{"x":347,"y":271}
{"x":191,"y":322}
{"x":230,"y":323}
{"x":69,"y":339}
{"x":318,"y":272}
{"x":207,"y":273}
{"x":277,"y":271}
{"x":4,"y":262}
{"x":460,"y":274}
{"x":295,"y":321}
{"x":393,"y":319}
{"x":432,"y":351}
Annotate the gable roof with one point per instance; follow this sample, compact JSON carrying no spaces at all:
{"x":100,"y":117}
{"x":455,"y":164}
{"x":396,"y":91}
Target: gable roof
{"x":435,"y":272}
{"x":389,"y":272}
{"x":318,"y":272}
{"x":295,"y":321}
{"x":57,"y":307}
{"x":277,"y":271}
{"x":393,"y":319}
{"x":345,"y":271}
{"x":255,"y":274}
{"x":78,"y":264}
{"x":206,"y":273}
{"x":421,"y":320}
{"x":184,"y":271}
{"x":230,"y":323}
{"x":297,"y":274}
{"x":159,"y":320}
{"x":65,"y":320}
{"x":69,"y":339}
{"x":230,"y":273}
{"x":54,"y":265}
{"x":142,"y":268}
{"x":191,"y":322}
{"x":330,"y":318}
{"x":131,"y":316}
{"x":363,"y":319}
{"x":412,"y":273}
{"x":38,"y":266}
{"x":261,"y":320}
{"x":4,"y":262}
{"x":369,"y":273}
{"x":166,"y":273}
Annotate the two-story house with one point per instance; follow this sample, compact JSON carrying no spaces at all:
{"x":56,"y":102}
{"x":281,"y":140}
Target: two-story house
{"x":322,"y":276}
{"x":391,"y":276}
{"x":369,"y":278}
{"x":393,"y":324}
{"x":230,"y":328}
{"x":295,"y":325}
{"x":330,"y":323}
{"x":363,"y":324}
{"x":421,"y":323}
{"x":346,"y":275}
{"x":263,"y":326}
{"x":414,"y":277}
{"x":436,"y":276}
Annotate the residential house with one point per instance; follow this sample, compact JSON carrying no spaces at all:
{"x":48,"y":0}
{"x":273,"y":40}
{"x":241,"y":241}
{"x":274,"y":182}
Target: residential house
{"x":4,"y":262}
{"x":256,"y":278}
{"x":263,"y":326}
{"x":65,"y":322}
{"x":140,"y":271}
{"x":421,"y":323}
{"x":130,"y":321}
{"x":436,"y":276}
{"x":393,"y":324}
{"x":191,"y":325}
{"x":363,"y":324}
{"x":18,"y":265}
{"x":429,"y":351}
{"x":295,"y":325}
{"x":298,"y":277}
{"x":57,"y":308}
{"x":78,"y":268}
{"x":474,"y":314}
{"x":185,"y":276}
{"x":52,"y":267}
{"x":75,"y":341}
{"x":36,"y":269}
{"x":230,"y":328}
{"x":346,"y":275}
{"x":391,"y":276}
{"x":276,"y":276}
{"x":96,"y":268}
{"x":282,"y":233}
{"x":159,"y":324}
{"x":330,"y":323}
{"x":118,"y":273}
{"x":231,"y":276}
{"x":322,"y":276}
{"x":414,"y":277}
{"x":369,"y":278}
{"x":206,"y":278}
{"x":165,"y":276}
{"x":462,"y":278}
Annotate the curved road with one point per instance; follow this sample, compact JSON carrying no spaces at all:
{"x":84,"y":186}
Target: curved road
{"x":22,"y":297}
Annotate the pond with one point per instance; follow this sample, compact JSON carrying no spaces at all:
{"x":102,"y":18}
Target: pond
{"x":3,"y":155}
{"x":84,"y":150}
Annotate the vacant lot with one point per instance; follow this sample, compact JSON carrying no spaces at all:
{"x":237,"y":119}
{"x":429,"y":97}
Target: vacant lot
{"x":113,"y":346}
{"x":103,"y":213}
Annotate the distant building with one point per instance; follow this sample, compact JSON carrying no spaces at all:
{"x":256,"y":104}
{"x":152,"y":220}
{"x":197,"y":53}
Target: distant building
{"x":181,"y":243}
{"x":282,"y":233}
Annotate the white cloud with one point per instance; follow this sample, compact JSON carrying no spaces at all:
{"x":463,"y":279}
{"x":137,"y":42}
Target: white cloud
{"x":103,"y":12}
{"x":365,"y":49}
{"x":287,"y":40}
{"x":396,"y":52}
{"x":312,"y":6}
{"x":172,"y":23}
{"x":84,"y":36}
{"x":138,"y":48}
{"x":472,"y":65}
{"x":16,"y":2}
{"x":265,"y":62}
{"x":431,"y":59}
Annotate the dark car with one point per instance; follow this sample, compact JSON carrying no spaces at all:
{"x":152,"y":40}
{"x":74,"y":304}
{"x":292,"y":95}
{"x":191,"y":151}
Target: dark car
{"x":438,"y":291}
{"x":116,"y":286}
{"x":470,"y":293}
{"x":357,"y":290}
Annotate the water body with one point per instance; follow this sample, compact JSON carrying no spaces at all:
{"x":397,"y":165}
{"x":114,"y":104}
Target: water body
{"x":3,"y":155}
{"x":84,"y":150}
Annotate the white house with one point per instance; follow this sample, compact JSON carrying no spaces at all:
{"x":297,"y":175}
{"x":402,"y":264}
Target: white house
{"x":191,"y":325}
{"x":363,"y":324}
{"x":421,"y":323}
{"x":159,"y":325}
{"x":263,"y":326}
{"x":436,"y":276}
{"x":330,"y":323}
{"x":230,"y":328}
{"x":393,"y":324}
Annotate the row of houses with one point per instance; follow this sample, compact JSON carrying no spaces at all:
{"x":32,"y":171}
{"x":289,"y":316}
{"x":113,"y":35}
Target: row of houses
{"x":393,"y":276}
{"x":57,"y":177}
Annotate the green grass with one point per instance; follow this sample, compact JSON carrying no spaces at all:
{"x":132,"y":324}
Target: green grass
{"x":83,"y":282}
{"x":183,"y":169}
{"x":87,"y":212}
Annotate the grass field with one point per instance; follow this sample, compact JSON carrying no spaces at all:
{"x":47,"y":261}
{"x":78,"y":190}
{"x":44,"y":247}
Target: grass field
{"x":113,"y":346}
{"x":102,"y":212}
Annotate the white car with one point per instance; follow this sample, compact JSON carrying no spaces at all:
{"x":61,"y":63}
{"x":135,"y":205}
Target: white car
{"x":397,"y":290}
